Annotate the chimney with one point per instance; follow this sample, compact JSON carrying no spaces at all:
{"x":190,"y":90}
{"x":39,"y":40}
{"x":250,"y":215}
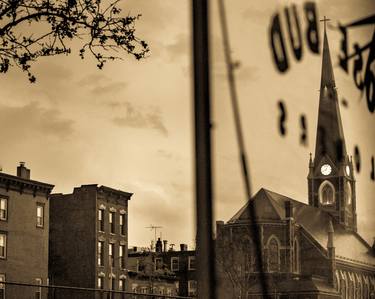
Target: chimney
{"x":183,"y":247}
{"x":289,"y":209}
{"x":165,"y":243}
{"x":159,"y":246}
{"x":23,"y":172}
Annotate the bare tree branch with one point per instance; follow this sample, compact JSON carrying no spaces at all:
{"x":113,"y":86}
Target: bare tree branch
{"x":30,"y":29}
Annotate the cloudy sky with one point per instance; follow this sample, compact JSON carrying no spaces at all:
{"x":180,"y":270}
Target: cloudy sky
{"x":129,"y":126}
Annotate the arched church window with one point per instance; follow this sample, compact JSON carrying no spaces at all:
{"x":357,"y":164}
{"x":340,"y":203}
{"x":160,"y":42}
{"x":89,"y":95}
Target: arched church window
{"x":273,"y":254}
{"x":372,"y":285}
{"x":296,"y":258}
{"x":351,"y":286}
{"x":327,"y":193}
{"x":366,"y":289}
{"x":348,"y":193}
{"x":337,"y":281}
{"x":343,"y":285}
{"x":359,"y":286}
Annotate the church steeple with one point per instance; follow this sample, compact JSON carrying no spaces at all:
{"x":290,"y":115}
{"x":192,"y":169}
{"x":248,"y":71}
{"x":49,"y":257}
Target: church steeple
{"x":330,"y":139}
{"x":331,"y":182}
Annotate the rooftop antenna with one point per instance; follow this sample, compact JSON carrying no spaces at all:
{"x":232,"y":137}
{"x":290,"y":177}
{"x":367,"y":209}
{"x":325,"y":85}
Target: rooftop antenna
{"x":155,"y":228}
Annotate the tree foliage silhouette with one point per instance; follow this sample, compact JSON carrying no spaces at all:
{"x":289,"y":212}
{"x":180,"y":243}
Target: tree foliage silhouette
{"x":30,"y":29}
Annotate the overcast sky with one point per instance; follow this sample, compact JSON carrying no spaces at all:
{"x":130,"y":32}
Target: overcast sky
{"x":129,"y":126}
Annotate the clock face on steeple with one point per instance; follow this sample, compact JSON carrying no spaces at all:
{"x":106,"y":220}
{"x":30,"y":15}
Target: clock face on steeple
{"x":326,"y":169}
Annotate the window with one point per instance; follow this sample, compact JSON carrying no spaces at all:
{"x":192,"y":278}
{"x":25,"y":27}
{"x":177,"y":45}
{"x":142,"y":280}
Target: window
{"x":112,"y":283}
{"x":3,"y":245}
{"x":175,"y":264}
{"x":121,"y":254}
{"x":3,"y":209}
{"x":111,"y":247}
{"x":101,"y":220}
{"x":158,"y":263}
{"x":38,"y":292}
{"x":327,"y":193}
{"x":100,"y":253}
{"x":39,"y":215}
{"x":100,"y":283}
{"x":348,"y":193}
{"x":273,"y":254}
{"x":2,"y":286}
{"x":112,"y":222}
{"x":191,"y":265}
{"x":121,"y":284}
{"x":122,"y":224}
{"x":192,"y":288}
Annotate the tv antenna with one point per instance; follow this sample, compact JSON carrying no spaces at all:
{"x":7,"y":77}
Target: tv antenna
{"x":155,"y":228}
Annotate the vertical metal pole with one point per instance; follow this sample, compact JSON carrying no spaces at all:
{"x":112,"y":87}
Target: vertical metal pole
{"x":203,"y":178}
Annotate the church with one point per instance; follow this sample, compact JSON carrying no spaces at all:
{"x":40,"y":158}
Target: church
{"x":309,"y":250}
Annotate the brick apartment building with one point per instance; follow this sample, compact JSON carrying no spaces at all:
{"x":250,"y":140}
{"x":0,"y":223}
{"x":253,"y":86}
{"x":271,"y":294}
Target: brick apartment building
{"x":88,"y":240}
{"x":24,"y":219}
{"x":165,"y":266}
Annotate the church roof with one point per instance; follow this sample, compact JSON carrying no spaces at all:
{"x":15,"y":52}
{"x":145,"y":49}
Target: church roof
{"x":270,"y":206}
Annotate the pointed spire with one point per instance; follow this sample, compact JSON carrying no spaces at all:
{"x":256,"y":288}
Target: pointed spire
{"x":330,"y":136}
{"x":330,"y":232}
{"x":327,"y":78}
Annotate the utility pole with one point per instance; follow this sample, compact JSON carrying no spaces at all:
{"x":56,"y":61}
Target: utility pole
{"x":203,"y":172}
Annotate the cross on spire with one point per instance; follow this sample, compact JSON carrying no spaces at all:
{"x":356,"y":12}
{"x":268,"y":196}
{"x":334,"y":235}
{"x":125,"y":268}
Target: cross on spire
{"x":325,"y":20}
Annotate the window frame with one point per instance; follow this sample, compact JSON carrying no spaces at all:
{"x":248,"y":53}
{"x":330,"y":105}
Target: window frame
{"x":5,"y":217}
{"x":100,"y":257}
{"x":273,"y":237}
{"x":296,"y":256}
{"x":5,"y":235}
{"x":111,"y":254}
{"x":322,"y":187}
{"x":40,"y":205}
{"x":175,"y":258}
{"x":100,"y":282}
{"x":38,"y":292}
{"x":156,"y":263}
{"x":122,"y":224}
{"x":101,"y":215}
{"x":2,"y":285}
{"x":190,"y":258}
{"x":192,"y":291}
{"x":121,"y":284}
{"x":121,"y":255}
{"x":112,"y":222}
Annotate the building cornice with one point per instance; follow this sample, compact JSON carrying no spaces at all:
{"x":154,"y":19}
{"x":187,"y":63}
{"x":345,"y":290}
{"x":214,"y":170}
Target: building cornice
{"x":350,"y":262}
{"x":15,"y":183}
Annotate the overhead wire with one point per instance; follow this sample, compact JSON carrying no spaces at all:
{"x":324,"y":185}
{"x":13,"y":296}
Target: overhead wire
{"x":241,"y":146}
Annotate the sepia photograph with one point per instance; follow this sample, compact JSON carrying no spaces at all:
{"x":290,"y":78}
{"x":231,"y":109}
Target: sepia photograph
{"x":220,"y":149}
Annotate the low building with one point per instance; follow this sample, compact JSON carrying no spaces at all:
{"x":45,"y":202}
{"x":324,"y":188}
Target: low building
{"x":179,"y":264}
{"x":24,"y":220}
{"x":88,"y":240}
